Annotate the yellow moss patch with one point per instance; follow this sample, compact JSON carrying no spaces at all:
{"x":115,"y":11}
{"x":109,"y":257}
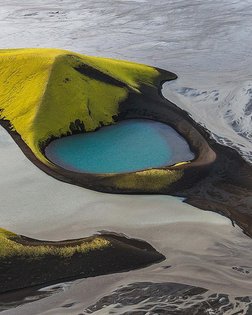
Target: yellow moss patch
{"x":7,"y":234}
{"x":41,"y":92}
{"x":152,"y":180}
{"x":9,"y":247}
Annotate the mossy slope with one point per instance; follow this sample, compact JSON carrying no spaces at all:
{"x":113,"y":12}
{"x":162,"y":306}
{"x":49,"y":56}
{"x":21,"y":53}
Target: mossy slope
{"x":11,"y":245}
{"x":47,"y":93}
{"x":50,"y":93}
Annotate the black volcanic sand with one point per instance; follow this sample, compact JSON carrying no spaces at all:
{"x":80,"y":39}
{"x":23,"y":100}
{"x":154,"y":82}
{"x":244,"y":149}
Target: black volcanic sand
{"x":141,"y":298}
{"x":152,"y":298}
{"x":218,"y":179}
{"x":123,"y":254}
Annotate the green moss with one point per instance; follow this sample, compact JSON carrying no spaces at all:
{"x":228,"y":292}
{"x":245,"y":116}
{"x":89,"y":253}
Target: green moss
{"x":10,"y":247}
{"x":151,"y":180}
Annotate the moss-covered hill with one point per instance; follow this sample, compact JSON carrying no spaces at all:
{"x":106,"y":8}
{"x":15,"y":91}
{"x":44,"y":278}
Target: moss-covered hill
{"x":47,"y":93}
{"x":50,"y":93}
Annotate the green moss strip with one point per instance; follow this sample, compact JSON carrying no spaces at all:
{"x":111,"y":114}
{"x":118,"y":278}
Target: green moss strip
{"x":10,"y":246}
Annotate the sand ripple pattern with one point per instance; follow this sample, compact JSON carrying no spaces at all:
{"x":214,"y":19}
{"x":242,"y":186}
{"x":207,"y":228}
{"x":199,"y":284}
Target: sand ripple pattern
{"x":147,"y":298}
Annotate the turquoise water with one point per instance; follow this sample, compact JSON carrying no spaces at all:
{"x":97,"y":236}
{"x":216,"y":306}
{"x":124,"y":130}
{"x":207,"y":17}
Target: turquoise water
{"x":127,"y":146}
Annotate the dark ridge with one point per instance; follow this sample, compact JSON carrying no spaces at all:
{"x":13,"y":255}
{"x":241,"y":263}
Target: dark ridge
{"x":122,"y":254}
{"x":88,"y":108}
{"x":99,"y":75}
